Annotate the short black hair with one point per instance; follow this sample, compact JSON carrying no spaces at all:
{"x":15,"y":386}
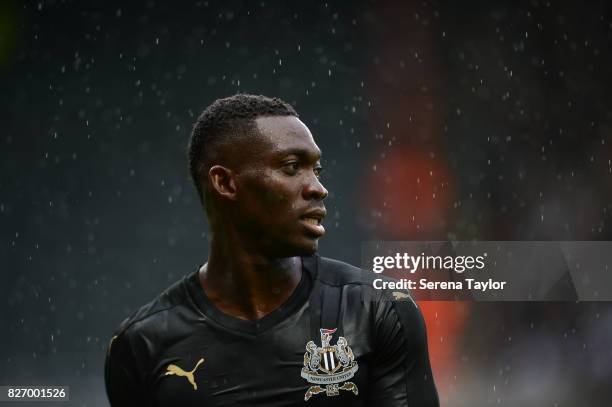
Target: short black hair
{"x":226,"y":119}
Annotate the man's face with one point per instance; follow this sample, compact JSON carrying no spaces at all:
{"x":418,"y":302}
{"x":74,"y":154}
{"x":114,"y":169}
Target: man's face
{"x":279,"y":197}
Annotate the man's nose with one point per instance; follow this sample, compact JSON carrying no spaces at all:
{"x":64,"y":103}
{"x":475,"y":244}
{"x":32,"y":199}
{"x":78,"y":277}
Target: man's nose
{"x":314,"y":189}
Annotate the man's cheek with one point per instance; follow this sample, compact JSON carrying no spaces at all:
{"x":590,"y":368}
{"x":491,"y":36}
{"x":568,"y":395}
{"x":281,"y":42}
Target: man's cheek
{"x":275,"y":197}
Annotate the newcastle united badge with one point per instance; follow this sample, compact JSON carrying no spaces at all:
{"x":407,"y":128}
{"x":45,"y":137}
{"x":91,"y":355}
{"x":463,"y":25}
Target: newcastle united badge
{"x":329,"y":367}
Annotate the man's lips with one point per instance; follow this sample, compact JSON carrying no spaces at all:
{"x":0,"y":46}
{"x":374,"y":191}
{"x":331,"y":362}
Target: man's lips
{"x":312,"y":221}
{"x":313,"y":226}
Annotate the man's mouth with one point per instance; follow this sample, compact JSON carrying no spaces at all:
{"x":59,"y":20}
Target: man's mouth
{"x":313,"y":221}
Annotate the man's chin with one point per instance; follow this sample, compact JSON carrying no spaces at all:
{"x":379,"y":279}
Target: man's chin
{"x":298,"y":246}
{"x":303,"y":248}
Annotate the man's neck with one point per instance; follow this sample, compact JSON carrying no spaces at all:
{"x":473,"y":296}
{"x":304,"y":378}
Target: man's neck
{"x":246,"y":285}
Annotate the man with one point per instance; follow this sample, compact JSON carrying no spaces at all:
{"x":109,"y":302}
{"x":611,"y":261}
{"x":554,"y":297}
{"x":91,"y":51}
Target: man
{"x":267,"y":322}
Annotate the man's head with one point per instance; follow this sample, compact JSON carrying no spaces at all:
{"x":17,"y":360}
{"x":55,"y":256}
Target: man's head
{"x":256,"y":168}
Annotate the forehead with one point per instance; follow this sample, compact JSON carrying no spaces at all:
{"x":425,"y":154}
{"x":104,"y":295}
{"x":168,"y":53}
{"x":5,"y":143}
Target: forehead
{"x":286,"y":133}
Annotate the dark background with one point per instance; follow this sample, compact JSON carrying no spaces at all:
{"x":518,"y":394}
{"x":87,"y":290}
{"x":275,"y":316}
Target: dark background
{"x":437,"y":120}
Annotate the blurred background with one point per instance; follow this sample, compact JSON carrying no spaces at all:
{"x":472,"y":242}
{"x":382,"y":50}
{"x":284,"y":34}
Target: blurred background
{"x":438,"y":120}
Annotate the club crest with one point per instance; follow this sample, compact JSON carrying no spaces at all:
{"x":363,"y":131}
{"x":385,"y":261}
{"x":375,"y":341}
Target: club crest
{"x":327,"y":366}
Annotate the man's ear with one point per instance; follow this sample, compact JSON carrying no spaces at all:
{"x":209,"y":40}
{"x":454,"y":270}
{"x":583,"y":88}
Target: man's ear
{"x":222,"y":181}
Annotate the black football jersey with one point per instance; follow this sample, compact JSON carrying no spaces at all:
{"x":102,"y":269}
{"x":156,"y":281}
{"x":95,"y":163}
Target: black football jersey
{"x":335,"y":341}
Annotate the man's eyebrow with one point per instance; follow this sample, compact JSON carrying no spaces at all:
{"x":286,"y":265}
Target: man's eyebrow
{"x":301,"y":152}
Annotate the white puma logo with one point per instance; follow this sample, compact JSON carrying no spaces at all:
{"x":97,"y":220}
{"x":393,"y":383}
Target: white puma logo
{"x":399,"y":295}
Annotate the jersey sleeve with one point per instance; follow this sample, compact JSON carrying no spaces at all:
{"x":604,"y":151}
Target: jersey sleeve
{"x":401,"y":373}
{"x":124,"y":384}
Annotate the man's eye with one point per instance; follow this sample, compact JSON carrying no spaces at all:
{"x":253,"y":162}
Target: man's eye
{"x":291,"y":168}
{"x":318,"y":171}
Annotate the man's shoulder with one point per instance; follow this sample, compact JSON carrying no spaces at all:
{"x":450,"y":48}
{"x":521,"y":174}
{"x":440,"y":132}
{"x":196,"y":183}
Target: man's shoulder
{"x":338,"y":273}
{"x":155,"y":312}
